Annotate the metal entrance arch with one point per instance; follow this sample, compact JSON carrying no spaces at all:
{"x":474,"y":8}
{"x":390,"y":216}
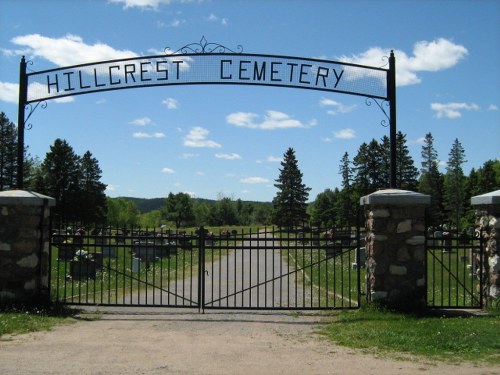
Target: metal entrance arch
{"x":208,"y":63}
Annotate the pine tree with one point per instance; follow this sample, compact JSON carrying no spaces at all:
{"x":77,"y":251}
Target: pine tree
{"x":59,"y":178}
{"x":455,"y":183}
{"x":346,"y":198}
{"x":431,"y":180}
{"x":8,"y":153}
{"x":91,"y":198}
{"x":323,"y":209}
{"x":406,"y":172}
{"x":290,"y":207}
{"x":178,"y":208}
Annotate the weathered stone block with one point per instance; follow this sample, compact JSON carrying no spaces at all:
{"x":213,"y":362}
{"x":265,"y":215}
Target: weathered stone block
{"x":397,"y":270}
{"x":30,"y":261}
{"x":403,"y":255}
{"x":404,"y":226}
{"x":380,"y":212}
{"x":416,"y":240}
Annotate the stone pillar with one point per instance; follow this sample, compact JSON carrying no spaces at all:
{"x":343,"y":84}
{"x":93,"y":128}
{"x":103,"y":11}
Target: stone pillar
{"x":395,"y":248}
{"x":24,"y":247}
{"x":488,"y":222}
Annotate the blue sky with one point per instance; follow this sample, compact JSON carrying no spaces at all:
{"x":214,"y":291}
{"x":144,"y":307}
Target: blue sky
{"x":212,"y":141}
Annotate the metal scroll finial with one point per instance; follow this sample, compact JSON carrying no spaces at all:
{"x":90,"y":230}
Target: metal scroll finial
{"x":203,"y":46}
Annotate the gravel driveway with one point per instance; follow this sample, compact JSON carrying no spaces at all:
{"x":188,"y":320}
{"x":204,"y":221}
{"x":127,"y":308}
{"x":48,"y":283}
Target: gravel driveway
{"x":174,"y":341}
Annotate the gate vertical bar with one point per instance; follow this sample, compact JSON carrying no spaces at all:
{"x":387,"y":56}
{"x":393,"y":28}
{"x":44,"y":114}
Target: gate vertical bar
{"x":23,"y":97}
{"x":201,"y":269}
{"x":391,"y":94}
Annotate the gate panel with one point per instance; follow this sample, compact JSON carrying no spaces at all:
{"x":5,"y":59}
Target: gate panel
{"x":454,"y":269}
{"x":123,"y":267}
{"x":265,"y":269}
{"x":273,"y":269}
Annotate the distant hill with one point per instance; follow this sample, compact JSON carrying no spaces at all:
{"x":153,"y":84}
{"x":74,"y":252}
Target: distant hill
{"x":150,"y":204}
{"x":146,"y":205}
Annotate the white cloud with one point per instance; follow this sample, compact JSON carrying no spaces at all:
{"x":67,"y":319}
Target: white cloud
{"x":64,"y":99}
{"x":148,"y":135}
{"x":69,"y":50}
{"x":144,"y":121}
{"x":254,"y":180}
{"x":170,"y":103}
{"x":148,"y":4}
{"x":452,"y":110}
{"x":231,"y":156}
{"x":337,"y":107}
{"x":177,"y":23}
{"x":271,"y":159}
{"x":272,"y":120}
{"x":9,"y":92}
{"x":493,"y":107}
{"x":427,"y":56}
{"x":213,"y":18}
{"x":167,"y":170}
{"x":188,"y":155}
{"x":197,"y":137}
{"x":345,"y":134}
{"x":110,"y":187}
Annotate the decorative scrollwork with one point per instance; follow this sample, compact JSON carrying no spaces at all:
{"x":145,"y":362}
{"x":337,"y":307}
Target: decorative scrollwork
{"x":29,"y":62}
{"x":30,"y":108}
{"x":386,"y":60}
{"x":381,"y":105}
{"x":203,"y":47}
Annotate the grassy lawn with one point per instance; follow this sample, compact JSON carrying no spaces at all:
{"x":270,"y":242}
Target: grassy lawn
{"x":444,"y":338}
{"x":17,"y":321}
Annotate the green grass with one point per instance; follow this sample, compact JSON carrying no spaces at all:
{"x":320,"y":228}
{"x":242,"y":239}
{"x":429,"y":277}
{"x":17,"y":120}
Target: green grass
{"x":444,"y":338}
{"x":17,"y":321}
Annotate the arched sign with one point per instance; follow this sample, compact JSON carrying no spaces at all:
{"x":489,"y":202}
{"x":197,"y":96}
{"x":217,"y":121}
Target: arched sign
{"x":208,"y":63}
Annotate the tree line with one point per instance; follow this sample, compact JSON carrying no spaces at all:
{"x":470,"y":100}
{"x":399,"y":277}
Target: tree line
{"x":75,"y":181}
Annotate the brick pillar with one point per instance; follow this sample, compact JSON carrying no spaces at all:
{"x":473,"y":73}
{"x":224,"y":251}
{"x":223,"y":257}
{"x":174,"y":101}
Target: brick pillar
{"x":24,"y":247}
{"x":395,"y":248}
{"x":488,"y":221}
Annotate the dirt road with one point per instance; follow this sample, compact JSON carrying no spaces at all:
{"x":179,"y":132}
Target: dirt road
{"x":170,"y":341}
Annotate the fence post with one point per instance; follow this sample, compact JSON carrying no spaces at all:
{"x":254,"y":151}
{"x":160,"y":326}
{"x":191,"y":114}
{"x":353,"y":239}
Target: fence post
{"x":488,"y":222}
{"x":24,"y":247}
{"x":395,"y":248}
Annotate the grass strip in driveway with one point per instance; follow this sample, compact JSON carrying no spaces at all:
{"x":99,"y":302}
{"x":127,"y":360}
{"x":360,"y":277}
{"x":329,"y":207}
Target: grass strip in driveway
{"x":471,"y":338}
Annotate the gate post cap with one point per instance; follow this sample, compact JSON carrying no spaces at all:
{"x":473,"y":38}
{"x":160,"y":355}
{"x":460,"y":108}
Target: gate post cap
{"x":395,"y":197}
{"x":25,"y":198}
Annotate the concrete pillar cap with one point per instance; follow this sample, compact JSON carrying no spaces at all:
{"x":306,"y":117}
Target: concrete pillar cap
{"x":491,"y":198}
{"x":24,"y":198}
{"x":395,"y":197}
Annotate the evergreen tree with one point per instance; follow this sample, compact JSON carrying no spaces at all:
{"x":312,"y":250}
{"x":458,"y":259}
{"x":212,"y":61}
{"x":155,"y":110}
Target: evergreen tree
{"x":8,"y":153}
{"x":455,"y":183}
{"x":488,"y":177}
{"x":431,"y":180}
{"x":178,"y":208}
{"x":323,"y":209}
{"x":59,"y":177}
{"x":90,"y":195}
{"x":362,"y":184}
{"x":290,"y":207}
{"x":406,"y":172}
{"x":346,"y":198}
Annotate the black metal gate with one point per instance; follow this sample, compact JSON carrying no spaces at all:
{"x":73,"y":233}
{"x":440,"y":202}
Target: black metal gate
{"x":264,"y":268}
{"x":454,"y":261}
